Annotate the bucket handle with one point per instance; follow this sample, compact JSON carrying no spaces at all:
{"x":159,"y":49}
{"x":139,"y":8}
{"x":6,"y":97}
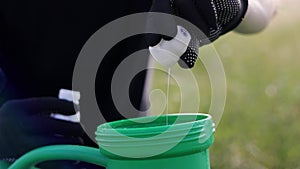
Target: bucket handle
{"x":60,"y":152}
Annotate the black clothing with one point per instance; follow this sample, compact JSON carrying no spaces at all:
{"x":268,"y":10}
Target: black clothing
{"x":41,"y":40}
{"x":39,"y":44}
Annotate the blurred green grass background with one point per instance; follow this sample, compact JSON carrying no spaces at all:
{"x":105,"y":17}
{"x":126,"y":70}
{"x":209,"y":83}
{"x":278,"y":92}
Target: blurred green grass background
{"x":260,"y":127}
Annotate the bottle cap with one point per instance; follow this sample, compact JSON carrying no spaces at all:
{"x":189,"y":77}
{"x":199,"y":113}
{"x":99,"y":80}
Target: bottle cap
{"x":168,"y":53}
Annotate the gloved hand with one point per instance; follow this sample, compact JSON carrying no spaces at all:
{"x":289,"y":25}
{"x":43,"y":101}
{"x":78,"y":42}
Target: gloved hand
{"x":26,"y":124}
{"x":213,"y":17}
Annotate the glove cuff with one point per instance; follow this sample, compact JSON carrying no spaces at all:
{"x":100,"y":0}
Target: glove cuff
{"x":241,"y":15}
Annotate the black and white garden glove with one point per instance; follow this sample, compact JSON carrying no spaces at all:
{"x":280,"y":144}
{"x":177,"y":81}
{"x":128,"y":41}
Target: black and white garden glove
{"x":213,"y":17}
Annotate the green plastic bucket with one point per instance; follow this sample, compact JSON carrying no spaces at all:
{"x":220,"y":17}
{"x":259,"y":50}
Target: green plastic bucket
{"x":168,"y":142}
{"x":164,"y":142}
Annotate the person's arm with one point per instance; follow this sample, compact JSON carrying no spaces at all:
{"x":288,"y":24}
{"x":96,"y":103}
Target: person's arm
{"x":258,"y":16}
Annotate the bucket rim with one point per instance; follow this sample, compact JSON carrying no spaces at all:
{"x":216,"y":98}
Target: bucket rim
{"x":112,"y":127}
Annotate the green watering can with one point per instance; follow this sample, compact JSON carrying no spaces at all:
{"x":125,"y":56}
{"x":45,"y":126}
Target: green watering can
{"x":173,"y":141}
